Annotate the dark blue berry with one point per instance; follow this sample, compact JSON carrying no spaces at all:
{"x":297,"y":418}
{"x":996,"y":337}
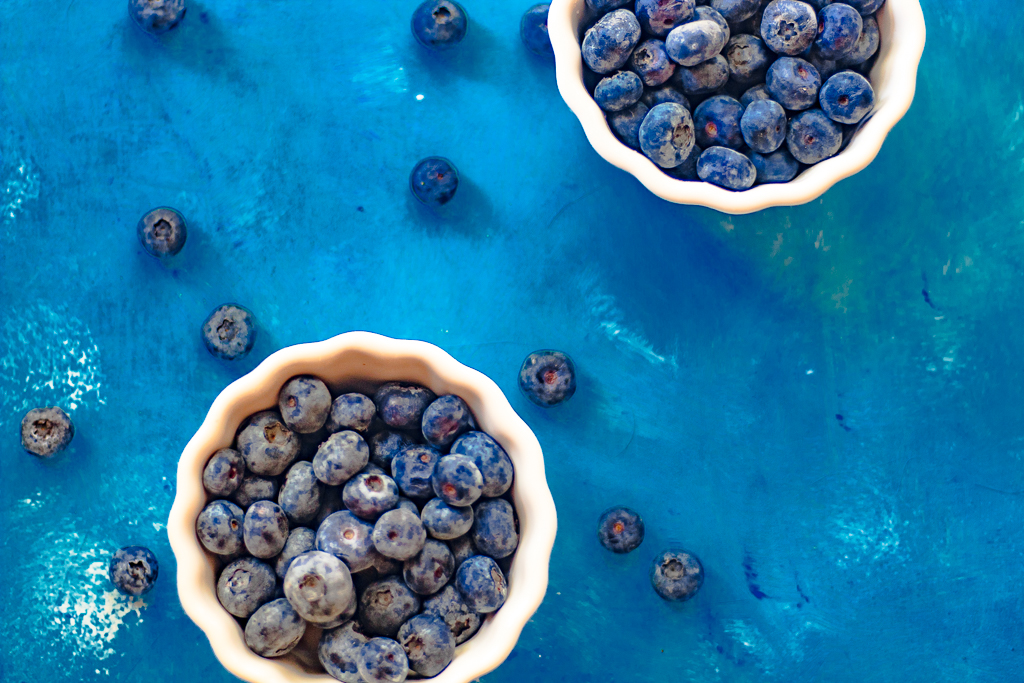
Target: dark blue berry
{"x":445,"y":420}
{"x":401,"y":406}
{"x":254,"y":488}
{"x":439,"y":24}
{"x":793,"y":83}
{"x":652,"y":97}
{"x":605,"y":6}
{"x":382,"y":660}
{"x":758,"y":92}
{"x":705,"y":13}
{"x":764,"y":126}
{"x":777,"y":167}
{"x":839,"y":28}
{"x":385,"y":605}
{"x":658,"y":17}
{"x":339,"y":649}
{"x":46,"y":431}
{"x":677,"y":575}
{"x":490,"y":458}
{"x":429,"y":570}
{"x":748,"y":59}
{"x":445,"y":522}
{"x":865,"y":47}
{"x":156,"y":16}
{"x":274,"y":629}
{"x":533,"y":29}
{"x":162,"y":232}
{"x":813,"y":137}
{"x":399,"y":534}
{"x":706,"y":77}
{"x":229,"y":332}
{"x":651,"y":63}
{"x":449,"y":606}
{"x":735,"y":10}
{"x":369,"y":495}
{"x":224,"y":472}
{"x":789,"y":27}
{"x":340,"y":458}
{"x":300,"y":540}
{"x":717,"y":122}
{"x":462,"y":548}
{"x":481,"y":584}
{"x":412,"y":470}
{"x":300,"y":495}
{"x":245,"y":585}
{"x":351,"y":411}
{"x":866,"y":7}
{"x":385,"y":445}
{"x":347,"y":537}
{"x":494,"y":531}
{"x":428,"y":643}
{"x":694,"y":42}
{"x":626,"y":123}
{"x":847,"y":97}
{"x":133,"y":570}
{"x":826,"y":67}
{"x":434,"y":181}
{"x":265,"y":529}
{"x":219,"y":527}
{"x":319,"y":587}
{"x":726,"y":168}
{"x":620,"y":530}
{"x":608,"y":44}
{"x":618,"y":91}
{"x":457,"y":480}
{"x":549,"y":377}
{"x":688,"y":169}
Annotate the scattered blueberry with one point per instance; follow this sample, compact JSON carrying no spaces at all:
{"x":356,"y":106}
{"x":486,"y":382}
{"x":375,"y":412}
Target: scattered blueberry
{"x":369,"y":495}
{"x":793,"y":83}
{"x":446,"y":419}
{"x":245,"y":585}
{"x":46,"y":431}
{"x":319,"y":586}
{"x":265,"y":529}
{"x":726,"y":168}
{"x":677,"y":575}
{"x":748,"y":59}
{"x":339,"y":649}
{"x":445,"y":522}
{"x":428,"y":643}
{"x":162,"y":232}
{"x":658,"y":17}
{"x":229,"y":332}
{"x":866,"y":45}
{"x":434,"y":181}
{"x":620,"y":530}
{"x":300,"y":540}
{"x":813,"y":137}
{"x":494,"y":531}
{"x":735,"y":10}
{"x":758,"y":92}
{"x":347,"y":537}
{"x":847,"y":97}
{"x":219,"y":527}
{"x":457,"y":480}
{"x":340,"y":458}
{"x":481,"y":584}
{"x":439,"y":24}
{"x":268,"y":446}
{"x":224,"y":472}
{"x":688,"y":169}
{"x":839,"y":28}
{"x":694,"y":42}
{"x":399,"y":534}
{"x":652,"y":97}
{"x":401,"y":406}
{"x":608,"y":44}
{"x":789,"y":27}
{"x":254,"y":488}
{"x":626,"y":123}
{"x":651,"y":63}
{"x":382,"y":660}
{"x":449,"y":606}
{"x":533,"y":29}
{"x":777,"y":167}
{"x":385,"y":605}
{"x":300,"y":495}
{"x":764,"y":126}
{"x":133,"y":570}
{"x":429,"y":570}
{"x":717,"y":122}
{"x":274,"y":629}
{"x":549,"y":377}
{"x":412,"y":470}
{"x":490,"y":458}
{"x":351,"y":411}
{"x":156,"y":16}
{"x":385,"y":445}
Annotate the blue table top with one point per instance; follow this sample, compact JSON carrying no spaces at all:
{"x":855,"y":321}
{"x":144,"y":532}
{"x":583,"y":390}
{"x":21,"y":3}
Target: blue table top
{"x":822,"y":402}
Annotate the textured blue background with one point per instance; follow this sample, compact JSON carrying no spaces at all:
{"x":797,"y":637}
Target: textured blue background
{"x":716,"y":353}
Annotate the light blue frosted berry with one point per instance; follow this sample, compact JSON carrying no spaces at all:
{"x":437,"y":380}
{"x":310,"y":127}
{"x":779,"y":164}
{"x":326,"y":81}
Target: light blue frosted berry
{"x":340,"y":457}
{"x":265,"y":529}
{"x":274,"y":629}
{"x":726,"y":168}
{"x":429,"y":570}
{"x":382,"y":660}
{"x":448,"y":417}
{"x":412,"y":470}
{"x":695,"y":42}
{"x":338,"y":650}
{"x":666,"y":135}
{"x":304,"y":403}
{"x":789,"y":27}
{"x":445,"y":522}
{"x":245,"y":585}
{"x":481,"y":584}
{"x":301,"y":493}
{"x":449,"y":606}
{"x":457,"y":480}
{"x":369,"y":495}
{"x":267,"y":445}
{"x":608,"y":44}
{"x":428,"y":644}
{"x":347,"y":537}
{"x":224,"y":472}
{"x":219,"y":527}
{"x":351,"y":411}
{"x":764,"y":126}
{"x":793,"y":83}
{"x":300,"y":540}
{"x":399,"y":534}
{"x":494,"y":531}
{"x":319,"y":586}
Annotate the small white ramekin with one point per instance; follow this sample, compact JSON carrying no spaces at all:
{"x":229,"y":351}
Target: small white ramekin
{"x":358,"y":361}
{"x":894,"y":77}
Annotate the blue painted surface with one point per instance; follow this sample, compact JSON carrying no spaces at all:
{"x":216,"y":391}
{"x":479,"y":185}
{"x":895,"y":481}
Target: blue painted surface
{"x":822,"y":402}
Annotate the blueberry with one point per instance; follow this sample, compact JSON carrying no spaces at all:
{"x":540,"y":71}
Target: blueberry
{"x":707,"y":77}
{"x":764,"y":126}
{"x":752,"y":24}
{"x":133,"y":570}
{"x":406,"y":504}
{"x":254,"y":488}
{"x":229,"y":332}
{"x":385,"y":445}
{"x":219,"y":527}
{"x":445,"y":522}
{"x":300,"y":495}
{"x":652,"y":97}
{"x":717,"y":122}
{"x":265,"y":529}
{"x":457,"y":480}
{"x":46,"y":431}
{"x":339,"y":649}
{"x":412,"y":469}
{"x":695,"y":42}
{"x":382,"y":660}
{"x":156,"y":16}
{"x":626,"y":124}
{"x":735,"y":10}
{"x":866,"y":7}
{"x":369,"y":495}
{"x":651,"y":63}
{"x":677,"y":575}
{"x":385,"y":605}
{"x":813,"y":137}
{"x":300,"y":540}
{"x":789,"y":26}
{"x":305,"y":403}
{"x":533,"y":29}
{"x":346,"y":614}
{"x":162,"y":232}
{"x":490,"y":458}
{"x":826,"y":67}
{"x":866,"y":45}
{"x":319,"y":586}
{"x":704,"y":13}
{"x":758,"y":92}
{"x":428,"y":643}
{"x":401,"y":406}
{"x":245,"y":585}
{"x":445,"y":419}
{"x":351,"y":411}
{"x":608,"y":44}
{"x":434,"y":181}
{"x":666,"y":137}
{"x":494,"y":531}
{"x":604,"y":6}
{"x":429,"y":570}
{"x":549,"y":377}
{"x":658,"y":17}
{"x":399,"y":534}
{"x":793,"y":83}
{"x":777,"y":167}
{"x":839,"y":28}
{"x":620,"y":530}
{"x":462,"y":548}
{"x":347,"y":537}
{"x":449,"y":606}
{"x":847,"y":97}
{"x":268,"y":447}
{"x":481,"y":584}
{"x":340,"y":458}
{"x":274,"y":629}
{"x":726,"y":168}
{"x":748,"y":59}
{"x":439,"y":24}
{"x":224,"y":472}
{"x":618,"y":91}
{"x":688,"y":169}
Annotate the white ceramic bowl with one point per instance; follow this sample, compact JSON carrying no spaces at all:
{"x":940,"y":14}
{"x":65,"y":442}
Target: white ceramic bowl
{"x":894,"y":77}
{"x":359,"y":361}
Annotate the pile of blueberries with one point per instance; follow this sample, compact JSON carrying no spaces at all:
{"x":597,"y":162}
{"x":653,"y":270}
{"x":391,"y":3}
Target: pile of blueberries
{"x":386,"y":522}
{"x":732,"y":92}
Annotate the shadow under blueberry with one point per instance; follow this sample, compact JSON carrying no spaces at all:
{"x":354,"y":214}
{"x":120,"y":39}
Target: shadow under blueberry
{"x":474,"y":58}
{"x":469,"y":213}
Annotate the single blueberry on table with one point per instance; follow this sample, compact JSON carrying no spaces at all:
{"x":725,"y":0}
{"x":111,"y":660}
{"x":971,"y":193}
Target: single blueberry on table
{"x":847,"y":97}
{"x":866,"y":7}
{"x":549,"y":377}
{"x":268,"y":446}
{"x":694,"y":42}
{"x":620,"y":529}
{"x":382,"y":660}
{"x":224,"y":472}
{"x":462,"y":548}
{"x":533,"y":29}
{"x":447,"y":418}
{"x":162,"y":232}
{"x":608,"y":44}
{"x":338,"y":650}
{"x":444,"y":522}
{"x":866,"y":45}
{"x":439,"y":24}
{"x":245,"y":585}
{"x":351,"y":411}
{"x":219,"y":527}
{"x":254,"y":488}
{"x":449,"y":606}
{"x":793,"y":83}
{"x":385,"y":445}
{"x":457,"y":480}
{"x":652,"y":97}
{"x":133,"y":570}
{"x":319,"y":587}
{"x":490,"y":458}
{"x":412,"y":470}
{"x":813,"y":136}
{"x":677,"y":575}
{"x":46,"y":431}
{"x":229,"y":332}
{"x":494,"y":531}
{"x":399,"y":534}
{"x":777,"y":167}
{"x":707,"y":77}
{"x":401,"y":405}
{"x":758,"y":92}
{"x":429,"y":570}
{"x":434,"y":181}
{"x":369,"y":495}
{"x":658,"y":17}
{"x":274,"y":629}
{"x":717,"y":122}
{"x":726,"y":168}
{"x":156,"y":16}
{"x":688,"y":169}
{"x":748,"y":59}
{"x":626,"y":124}
{"x":481,"y":584}
{"x":340,"y":458}
{"x":428,"y":643}
{"x":789,"y":27}
{"x":385,"y":605}
{"x":300,"y":540}
{"x":265,"y":529}
{"x":301,"y":493}
{"x":347,"y":537}
{"x":839,"y":28}
{"x":764,"y":126}
{"x":304,"y":403}
{"x":735,"y":10}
